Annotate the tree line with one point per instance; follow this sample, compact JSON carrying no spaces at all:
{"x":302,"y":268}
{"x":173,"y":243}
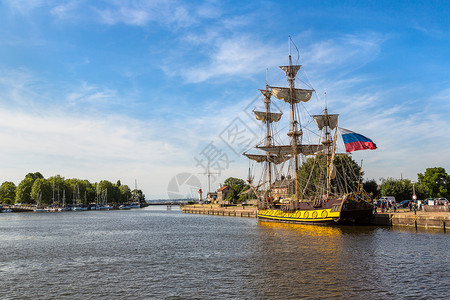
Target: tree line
{"x":34,"y":189}
{"x":433,"y":183}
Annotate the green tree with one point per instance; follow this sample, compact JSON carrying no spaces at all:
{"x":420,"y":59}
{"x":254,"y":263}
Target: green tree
{"x":231,"y":197}
{"x":238,"y":185}
{"x":23,"y":191}
{"x":401,"y":189}
{"x":41,"y":190}
{"x":435,"y":182}
{"x":7,"y":192}
{"x":90,"y":191}
{"x":371,"y":187}
{"x":140,"y":195}
{"x":113,"y":191}
{"x":74,"y":191}
{"x":34,"y":176}
{"x":312,"y":175}
{"x":125,"y":194}
{"x":59,"y":185}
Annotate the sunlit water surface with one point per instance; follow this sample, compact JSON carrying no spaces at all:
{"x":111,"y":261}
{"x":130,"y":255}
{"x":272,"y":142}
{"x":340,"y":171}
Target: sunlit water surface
{"x":155,"y":253}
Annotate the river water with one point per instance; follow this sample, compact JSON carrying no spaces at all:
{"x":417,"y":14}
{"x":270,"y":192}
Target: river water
{"x":155,"y":253}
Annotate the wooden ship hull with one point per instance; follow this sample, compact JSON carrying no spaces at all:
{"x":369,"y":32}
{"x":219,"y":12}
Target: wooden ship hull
{"x":353,"y":209}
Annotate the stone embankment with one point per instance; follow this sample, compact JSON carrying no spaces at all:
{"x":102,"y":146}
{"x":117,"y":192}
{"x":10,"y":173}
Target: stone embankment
{"x":215,"y":209}
{"x":423,"y":219}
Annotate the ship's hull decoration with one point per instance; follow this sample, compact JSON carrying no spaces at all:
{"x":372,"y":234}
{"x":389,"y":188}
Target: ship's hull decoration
{"x":353,"y":209}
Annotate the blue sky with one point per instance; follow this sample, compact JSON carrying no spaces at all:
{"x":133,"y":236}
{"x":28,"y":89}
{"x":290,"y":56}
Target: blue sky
{"x":140,"y":89}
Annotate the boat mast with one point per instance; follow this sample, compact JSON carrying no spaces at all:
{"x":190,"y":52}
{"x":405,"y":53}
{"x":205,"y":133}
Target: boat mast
{"x":135,"y":192}
{"x":327,"y":142}
{"x":291,"y":72}
{"x":268,"y":136}
{"x":53,"y":191}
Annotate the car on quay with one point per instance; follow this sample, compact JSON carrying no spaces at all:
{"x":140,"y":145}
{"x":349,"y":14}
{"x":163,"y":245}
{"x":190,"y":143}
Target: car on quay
{"x":404,"y":203}
{"x":390,"y":199}
{"x":440,"y":201}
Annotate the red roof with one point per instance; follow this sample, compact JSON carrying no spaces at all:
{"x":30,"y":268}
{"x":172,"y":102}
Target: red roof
{"x":222,"y":188}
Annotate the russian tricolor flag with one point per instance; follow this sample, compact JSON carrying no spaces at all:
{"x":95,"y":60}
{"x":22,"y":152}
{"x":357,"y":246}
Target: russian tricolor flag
{"x":354,"y":141}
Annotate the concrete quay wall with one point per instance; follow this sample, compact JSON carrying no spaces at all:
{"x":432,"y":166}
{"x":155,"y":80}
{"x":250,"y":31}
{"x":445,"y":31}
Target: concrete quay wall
{"x":421,"y":219}
{"x":214,"y":209}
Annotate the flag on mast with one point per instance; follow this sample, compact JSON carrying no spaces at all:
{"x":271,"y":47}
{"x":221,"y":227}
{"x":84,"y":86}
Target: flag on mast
{"x":354,"y":141}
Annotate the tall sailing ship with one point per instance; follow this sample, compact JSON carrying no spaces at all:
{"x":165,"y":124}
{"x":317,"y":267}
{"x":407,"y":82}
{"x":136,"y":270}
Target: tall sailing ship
{"x":319,"y":194}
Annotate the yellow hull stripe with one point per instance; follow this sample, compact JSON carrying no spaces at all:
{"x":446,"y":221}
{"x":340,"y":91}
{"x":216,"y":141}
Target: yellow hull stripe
{"x":319,"y":215}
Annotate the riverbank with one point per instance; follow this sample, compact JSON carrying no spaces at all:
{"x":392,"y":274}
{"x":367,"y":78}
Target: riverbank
{"x":423,"y":219}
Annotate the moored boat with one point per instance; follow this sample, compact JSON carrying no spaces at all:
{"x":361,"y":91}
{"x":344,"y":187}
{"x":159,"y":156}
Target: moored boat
{"x":318,"y":191}
{"x":125,"y":206}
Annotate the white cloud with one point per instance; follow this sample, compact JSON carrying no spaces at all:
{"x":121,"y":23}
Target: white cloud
{"x":111,"y":147}
{"x":141,"y":13}
{"x":76,"y":138}
{"x":240,"y":55}
{"x":24,"y":6}
{"x":66,"y":10}
{"x":346,"y":53}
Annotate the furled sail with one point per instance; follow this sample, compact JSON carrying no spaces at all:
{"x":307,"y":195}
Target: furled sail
{"x":270,"y":117}
{"x":288,"y":149}
{"x":332,"y":171}
{"x":300,"y":95}
{"x":263,"y":157}
{"x":326,"y":120}
{"x":291,"y":71}
{"x":266,"y":93}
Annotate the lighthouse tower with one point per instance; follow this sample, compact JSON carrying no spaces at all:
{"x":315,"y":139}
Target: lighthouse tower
{"x":200,"y":194}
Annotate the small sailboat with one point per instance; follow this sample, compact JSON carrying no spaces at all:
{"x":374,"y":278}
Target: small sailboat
{"x":125,"y":206}
{"x":104,"y":201}
{"x":64,"y":205}
{"x":39,"y":207}
{"x":136,"y":203}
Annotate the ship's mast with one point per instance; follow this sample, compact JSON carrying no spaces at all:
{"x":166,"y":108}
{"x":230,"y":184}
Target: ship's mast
{"x":327,"y":142}
{"x":325,"y":124}
{"x":294,"y":133}
{"x":276,"y":154}
{"x":268,"y":136}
